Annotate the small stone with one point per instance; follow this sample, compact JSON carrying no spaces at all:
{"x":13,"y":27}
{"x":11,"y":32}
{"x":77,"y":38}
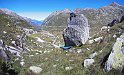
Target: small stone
{"x":79,"y":51}
{"x":100,"y":51}
{"x":88,"y":62}
{"x":40,"y":51}
{"x":16,"y":59}
{"x":31,"y":55}
{"x":36,"y":53}
{"x":98,"y":39}
{"x":114,"y":36}
{"x":22,"y":63}
{"x":93,"y":55}
{"x":54,"y":65}
{"x":46,"y":58}
{"x":90,"y":41}
{"x":88,"y":49}
{"x":14,"y":43}
{"x":4,"y":32}
{"x":68,"y":68}
{"x":35,"y":69}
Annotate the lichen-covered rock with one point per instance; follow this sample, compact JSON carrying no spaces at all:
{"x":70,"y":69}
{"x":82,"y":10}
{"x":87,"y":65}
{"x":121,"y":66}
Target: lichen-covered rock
{"x":77,"y":31}
{"x":116,"y":57}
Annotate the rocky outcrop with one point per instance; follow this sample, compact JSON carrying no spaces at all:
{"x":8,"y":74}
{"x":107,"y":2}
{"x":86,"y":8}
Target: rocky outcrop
{"x":116,"y":21}
{"x":116,"y":57}
{"x":122,"y":18}
{"x":77,"y":31}
{"x":3,"y":54}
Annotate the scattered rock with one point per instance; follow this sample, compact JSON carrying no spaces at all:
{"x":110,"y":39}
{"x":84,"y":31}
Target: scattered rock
{"x":54,"y":65}
{"x":36,"y":53}
{"x":104,"y":28}
{"x":79,"y":50}
{"x":90,"y":41}
{"x":98,"y":39}
{"x":39,"y":40}
{"x":93,"y":55}
{"x":4,"y":32}
{"x":114,"y":36}
{"x":22,"y":63}
{"x":88,"y":49}
{"x":31,"y":55}
{"x":35,"y":70}
{"x":56,"y":46}
{"x":13,"y":43}
{"x":14,"y":51}
{"x":88,"y":62}
{"x":28,"y":31}
{"x":68,"y":68}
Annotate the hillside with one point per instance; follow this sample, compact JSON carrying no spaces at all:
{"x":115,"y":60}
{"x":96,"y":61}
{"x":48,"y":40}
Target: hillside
{"x":13,"y":30}
{"x":53,"y":60}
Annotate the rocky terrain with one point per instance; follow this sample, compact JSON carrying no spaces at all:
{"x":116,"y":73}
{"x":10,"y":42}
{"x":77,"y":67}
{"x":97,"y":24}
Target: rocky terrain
{"x":97,"y":34}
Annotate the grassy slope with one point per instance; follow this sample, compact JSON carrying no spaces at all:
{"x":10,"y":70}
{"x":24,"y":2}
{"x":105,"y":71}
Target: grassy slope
{"x":8,"y":33}
{"x":53,"y":60}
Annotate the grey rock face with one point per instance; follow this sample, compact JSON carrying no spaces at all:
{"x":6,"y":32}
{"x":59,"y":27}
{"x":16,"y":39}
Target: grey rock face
{"x":2,"y":52}
{"x":122,"y":18}
{"x":77,"y":31}
{"x":116,"y":21}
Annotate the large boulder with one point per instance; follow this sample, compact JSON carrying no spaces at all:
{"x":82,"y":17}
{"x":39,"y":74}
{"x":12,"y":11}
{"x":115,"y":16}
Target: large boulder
{"x":77,"y":31}
{"x":116,"y":57}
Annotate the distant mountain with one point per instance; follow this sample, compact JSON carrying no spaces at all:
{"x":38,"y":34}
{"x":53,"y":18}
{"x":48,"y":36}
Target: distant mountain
{"x":96,"y":17}
{"x":33,"y":22}
{"x":57,"y":19}
{"x":12,"y":13}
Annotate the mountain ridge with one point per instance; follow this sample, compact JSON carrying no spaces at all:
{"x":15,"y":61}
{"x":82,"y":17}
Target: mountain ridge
{"x":96,"y":17}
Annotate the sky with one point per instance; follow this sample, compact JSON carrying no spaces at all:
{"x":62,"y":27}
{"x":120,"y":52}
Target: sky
{"x":40,"y":9}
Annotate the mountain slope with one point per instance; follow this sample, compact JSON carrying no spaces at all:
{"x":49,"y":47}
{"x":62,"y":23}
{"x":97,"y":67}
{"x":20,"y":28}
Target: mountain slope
{"x":13,"y":32}
{"x":96,"y":17}
{"x":57,"y":20}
